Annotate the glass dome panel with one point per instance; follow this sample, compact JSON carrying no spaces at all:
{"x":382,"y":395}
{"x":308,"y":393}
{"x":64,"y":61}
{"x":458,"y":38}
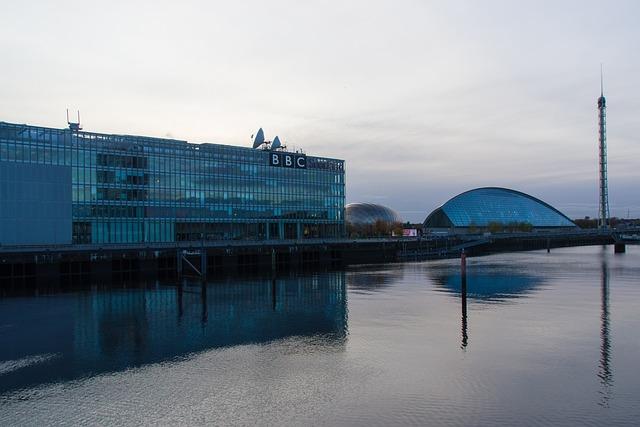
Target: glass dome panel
{"x":482,"y":206}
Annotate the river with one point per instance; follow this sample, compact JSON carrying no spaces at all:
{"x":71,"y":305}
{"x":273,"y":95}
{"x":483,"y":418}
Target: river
{"x":529,"y":338}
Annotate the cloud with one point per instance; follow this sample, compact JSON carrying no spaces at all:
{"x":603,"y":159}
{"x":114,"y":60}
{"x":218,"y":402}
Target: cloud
{"x":422,"y":99}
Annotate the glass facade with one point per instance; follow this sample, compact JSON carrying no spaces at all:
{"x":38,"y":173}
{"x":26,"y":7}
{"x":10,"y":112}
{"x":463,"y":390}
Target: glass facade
{"x":369,"y":213}
{"x":131,"y":189}
{"x":483,"y":206}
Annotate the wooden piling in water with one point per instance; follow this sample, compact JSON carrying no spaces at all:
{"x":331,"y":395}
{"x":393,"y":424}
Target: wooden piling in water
{"x":463,"y":263}
{"x":203,"y":264}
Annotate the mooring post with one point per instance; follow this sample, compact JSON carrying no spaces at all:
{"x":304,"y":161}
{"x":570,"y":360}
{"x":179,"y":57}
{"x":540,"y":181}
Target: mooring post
{"x":619,"y":248}
{"x":463,"y":264}
{"x":203,"y":264}
{"x":203,"y":298}
{"x":180,"y":291}
{"x":548,"y":245}
{"x":273,"y":259}
{"x":274,"y":301}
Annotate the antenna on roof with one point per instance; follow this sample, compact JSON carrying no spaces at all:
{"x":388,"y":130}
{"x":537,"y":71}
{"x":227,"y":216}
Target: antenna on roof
{"x":276,"y":143}
{"x":75,"y":126}
{"x":601,"y":82}
{"x":259,"y":139}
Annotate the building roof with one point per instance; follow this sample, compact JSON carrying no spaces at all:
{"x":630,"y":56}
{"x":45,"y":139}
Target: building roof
{"x":481,"y":206}
{"x":369,"y":213}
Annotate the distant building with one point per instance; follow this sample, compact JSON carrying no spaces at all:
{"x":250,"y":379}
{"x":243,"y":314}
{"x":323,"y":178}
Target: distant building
{"x":67,"y":186}
{"x":368,"y":219}
{"x":495,"y":209}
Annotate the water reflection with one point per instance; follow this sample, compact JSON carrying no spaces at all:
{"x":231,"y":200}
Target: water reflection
{"x":486,"y":283}
{"x":364,"y":279}
{"x":463,"y":294}
{"x":69,"y":336}
{"x":605,"y":372}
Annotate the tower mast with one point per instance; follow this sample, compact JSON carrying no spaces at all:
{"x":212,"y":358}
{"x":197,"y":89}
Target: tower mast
{"x":603,"y":215}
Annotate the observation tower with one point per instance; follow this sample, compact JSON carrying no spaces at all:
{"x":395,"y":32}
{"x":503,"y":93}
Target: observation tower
{"x":603,"y":213}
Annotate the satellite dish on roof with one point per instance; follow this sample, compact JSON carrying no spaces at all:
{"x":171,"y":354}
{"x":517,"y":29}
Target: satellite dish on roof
{"x":276,"y":143}
{"x":259,"y":140}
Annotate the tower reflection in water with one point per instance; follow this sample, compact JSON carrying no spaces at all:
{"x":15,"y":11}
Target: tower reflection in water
{"x":605,"y":373}
{"x":86,"y":333}
{"x":503,"y":286}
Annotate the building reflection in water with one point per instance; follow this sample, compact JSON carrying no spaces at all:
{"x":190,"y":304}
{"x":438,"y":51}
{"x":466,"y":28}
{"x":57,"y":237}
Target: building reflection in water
{"x":491,"y":286}
{"x":605,"y":373}
{"x":487,"y":287}
{"x":112,"y":329}
{"x":365,"y":279}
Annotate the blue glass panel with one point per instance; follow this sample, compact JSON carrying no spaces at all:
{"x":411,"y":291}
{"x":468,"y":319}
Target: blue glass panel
{"x":484,"y":205}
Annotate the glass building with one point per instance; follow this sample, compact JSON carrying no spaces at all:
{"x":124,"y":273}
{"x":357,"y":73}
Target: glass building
{"x":61,"y":186}
{"x":370,"y":220}
{"x":493,"y":206}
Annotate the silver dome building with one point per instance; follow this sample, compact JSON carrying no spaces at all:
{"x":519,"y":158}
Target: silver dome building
{"x":369,"y":213}
{"x":368,"y":219}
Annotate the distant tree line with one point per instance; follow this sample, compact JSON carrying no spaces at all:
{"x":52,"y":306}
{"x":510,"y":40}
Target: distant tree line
{"x":377,"y":229}
{"x":614,"y":222}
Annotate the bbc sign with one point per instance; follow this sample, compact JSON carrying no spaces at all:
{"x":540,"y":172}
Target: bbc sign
{"x":286,"y":160}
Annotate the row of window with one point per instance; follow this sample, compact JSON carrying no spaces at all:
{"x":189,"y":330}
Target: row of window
{"x":205,"y":213}
{"x":78,"y":158}
{"x":123,"y":179}
{"x":47,"y":138}
{"x":85,"y":232}
{"x":84,"y":194}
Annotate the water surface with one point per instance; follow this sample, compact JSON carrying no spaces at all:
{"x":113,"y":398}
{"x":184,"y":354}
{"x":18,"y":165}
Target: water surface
{"x":527,"y":339}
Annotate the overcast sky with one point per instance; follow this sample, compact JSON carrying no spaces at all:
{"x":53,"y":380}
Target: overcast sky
{"x":423,"y":99}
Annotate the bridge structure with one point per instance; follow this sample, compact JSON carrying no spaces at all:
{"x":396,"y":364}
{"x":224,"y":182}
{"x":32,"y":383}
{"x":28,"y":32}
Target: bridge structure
{"x":483,"y":244}
{"x":625,"y":237}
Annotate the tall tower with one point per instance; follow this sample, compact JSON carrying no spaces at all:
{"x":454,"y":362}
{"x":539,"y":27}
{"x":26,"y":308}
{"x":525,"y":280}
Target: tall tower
{"x":603,"y":215}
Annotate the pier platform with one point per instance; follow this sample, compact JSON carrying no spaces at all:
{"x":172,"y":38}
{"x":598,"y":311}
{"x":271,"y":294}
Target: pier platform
{"x":70,"y":263}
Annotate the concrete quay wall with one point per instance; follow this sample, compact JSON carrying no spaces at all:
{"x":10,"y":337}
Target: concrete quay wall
{"x":52,"y":265}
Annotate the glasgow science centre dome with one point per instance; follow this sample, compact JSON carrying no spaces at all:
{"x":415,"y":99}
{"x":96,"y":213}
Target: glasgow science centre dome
{"x":483,"y":207}
{"x":369,"y":214}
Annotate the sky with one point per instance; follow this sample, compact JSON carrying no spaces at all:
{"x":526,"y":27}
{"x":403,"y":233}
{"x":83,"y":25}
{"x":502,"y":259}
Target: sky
{"x":422,"y":99}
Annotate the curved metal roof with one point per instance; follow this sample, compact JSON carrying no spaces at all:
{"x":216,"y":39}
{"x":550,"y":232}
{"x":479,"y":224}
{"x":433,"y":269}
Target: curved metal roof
{"x":369,"y":213}
{"x":482,"y":206}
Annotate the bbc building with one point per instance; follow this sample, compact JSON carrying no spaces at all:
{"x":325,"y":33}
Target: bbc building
{"x":67,"y":186}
